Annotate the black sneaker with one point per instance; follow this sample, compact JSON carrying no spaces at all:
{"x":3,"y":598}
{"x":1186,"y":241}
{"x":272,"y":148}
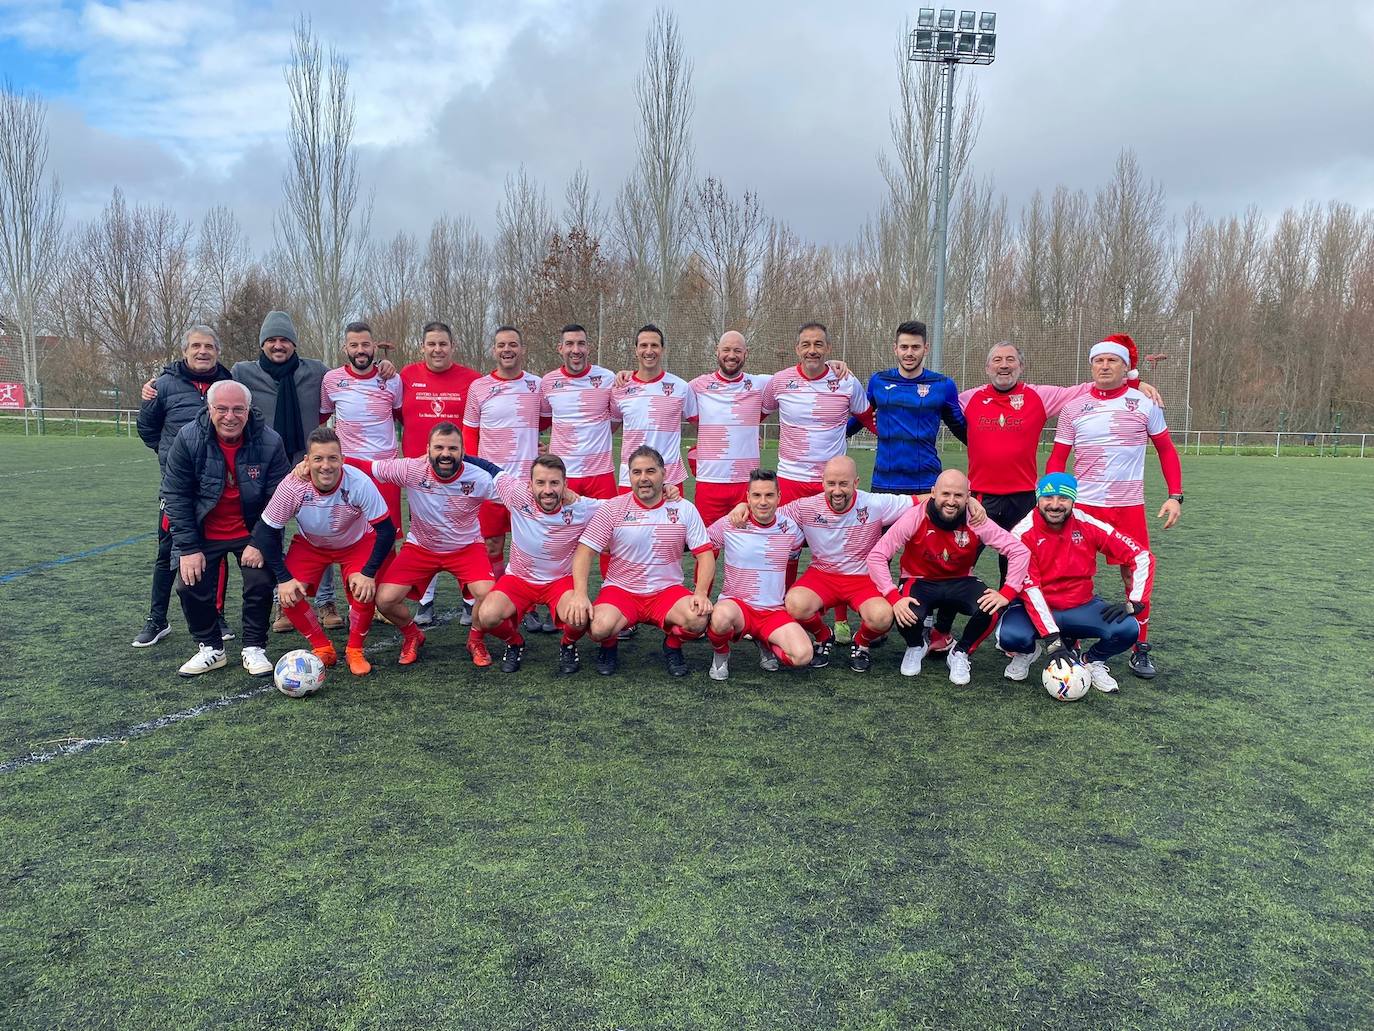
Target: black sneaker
{"x":568,"y":660}
{"x":820,"y":655}
{"x":152,"y":632}
{"x":675,"y":660}
{"x":510,"y":662}
{"x":607,"y":660}
{"x":1141,"y":663}
{"x":547,"y":625}
{"x":628,"y":632}
{"x":859,"y":659}
{"x":226,"y":632}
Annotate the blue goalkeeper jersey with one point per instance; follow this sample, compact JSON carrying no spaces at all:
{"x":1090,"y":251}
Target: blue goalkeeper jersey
{"x":908,"y":414}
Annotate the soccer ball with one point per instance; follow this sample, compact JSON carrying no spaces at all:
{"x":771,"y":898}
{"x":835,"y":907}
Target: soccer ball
{"x":1066,"y":681}
{"x":299,"y":673}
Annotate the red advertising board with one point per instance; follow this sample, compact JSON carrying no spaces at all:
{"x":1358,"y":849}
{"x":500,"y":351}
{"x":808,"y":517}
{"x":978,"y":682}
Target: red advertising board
{"x":11,"y":395}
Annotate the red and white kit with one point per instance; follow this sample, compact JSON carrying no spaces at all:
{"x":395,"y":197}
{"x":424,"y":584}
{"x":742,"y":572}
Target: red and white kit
{"x":652,"y":413}
{"x":542,"y":545}
{"x":729,"y":412}
{"x":840,"y":543}
{"x":580,"y":407}
{"x":501,"y":424}
{"x":330,"y":522}
{"x":646,"y":545}
{"x":364,"y":409}
{"x":756,"y":557}
{"x":430,"y":398}
{"x":812,"y":417}
{"x":931,"y":552}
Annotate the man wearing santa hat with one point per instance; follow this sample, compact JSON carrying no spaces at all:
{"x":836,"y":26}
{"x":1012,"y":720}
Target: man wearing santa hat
{"x":1106,"y":429}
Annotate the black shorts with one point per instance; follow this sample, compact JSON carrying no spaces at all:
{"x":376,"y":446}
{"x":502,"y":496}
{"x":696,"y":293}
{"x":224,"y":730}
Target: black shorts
{"x":1006,"y":510}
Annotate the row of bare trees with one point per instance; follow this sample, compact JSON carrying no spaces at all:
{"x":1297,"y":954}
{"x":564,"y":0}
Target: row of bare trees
{"x":1276,"y":317}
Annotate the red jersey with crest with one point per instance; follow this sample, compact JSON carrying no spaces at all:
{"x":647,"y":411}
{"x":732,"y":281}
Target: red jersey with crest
{"x":645,"y":544}
{"x":1004,"y":428}
{"x":580,"y":406}
{"x":651,"y":412}
{"x":364,"y":409}
{"x":443,"y":513}
{"x":429,"y":398}
{"x":728,"y":415}
{"x":812,"y":417}
{"x":930,"y":551}
{"x":542,"y":543}
{"x":330,"y":521}
{"x":840,"y":541}
{"x":756,"y":556}
{"x":505,"y":413}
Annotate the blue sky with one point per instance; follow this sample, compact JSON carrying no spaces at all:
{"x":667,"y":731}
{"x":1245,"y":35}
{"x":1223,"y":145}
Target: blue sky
{"x":183,"y":102}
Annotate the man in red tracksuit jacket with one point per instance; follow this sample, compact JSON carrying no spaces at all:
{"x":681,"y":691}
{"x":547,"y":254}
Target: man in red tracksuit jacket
{"x":1057,"y":596}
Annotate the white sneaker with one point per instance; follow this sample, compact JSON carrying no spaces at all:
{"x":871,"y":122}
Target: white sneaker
{"x":911,"y":660}
{"x":204,"y":660}
{"x":256,"y":662}
{"x":959,"y":670}
{"x":1102,"y":678}
{"x":1019,"y":666}
{"x":720,"y":666}
{"x":767,"y":660}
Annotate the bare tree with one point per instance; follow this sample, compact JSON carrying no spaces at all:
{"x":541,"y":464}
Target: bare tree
{"x":582,"y":207}
{"x":31,"y":216}
{"x":729,"y":238}
{"x":458,"y":283}
{"x":320,"y":230}
{"x":111,"y":257}
{"x":175,"y":293}
{"x":222,"y":258}
{"x":1133,"y":243}
{"x":524,"y":227}
{"x":392,"y":290}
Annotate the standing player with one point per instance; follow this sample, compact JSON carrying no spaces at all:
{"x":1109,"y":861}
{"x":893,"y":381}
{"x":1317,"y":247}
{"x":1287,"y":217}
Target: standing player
{"x":645,"y":536}
{"x":651,"y":406}
{"x":365,"y":407}
{"x":751,"y":602}
{"x":577,"y":398}
{"x":939,"y":546}
{"x":1058,"y":597}
{"x":729,"y":410}
{"x":907,"y":405}
{"x":1107,"y":431}
{"x":340,"y":519}
{"x":433,"y":390}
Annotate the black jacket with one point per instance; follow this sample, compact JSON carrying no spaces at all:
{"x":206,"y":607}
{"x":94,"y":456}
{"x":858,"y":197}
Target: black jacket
{"x":194,"y":474}
{"x":179,"y":400}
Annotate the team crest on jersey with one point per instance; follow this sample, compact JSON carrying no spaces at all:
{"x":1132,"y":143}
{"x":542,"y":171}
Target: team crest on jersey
{"x":567,"y":518}
{"x":252,"y":471}
{"x":668,"y":389}
{"x":437,"y":407}
{"x":923,"y":389}
{"x":862,"y":514}
{"x":672,"y":515}
{"x":833,"y":384}
{"x":1018,"y":401}
{"x":596,"y":381}
{"x":1132,"y":403}
{"x":531,"y":385}
{"x":466,"y":487}
{"x":1077,"y":537}
{"x":961,"y":538}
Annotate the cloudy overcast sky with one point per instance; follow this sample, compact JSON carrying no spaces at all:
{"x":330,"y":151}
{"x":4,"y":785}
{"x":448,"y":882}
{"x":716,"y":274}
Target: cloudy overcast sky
{"x":1227,"y":103}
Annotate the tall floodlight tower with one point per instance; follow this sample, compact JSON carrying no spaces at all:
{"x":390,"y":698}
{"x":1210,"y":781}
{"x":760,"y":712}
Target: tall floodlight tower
{"x":942,"y":41}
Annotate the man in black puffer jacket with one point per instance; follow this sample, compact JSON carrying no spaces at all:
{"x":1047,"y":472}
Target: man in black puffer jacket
{"x":180,"y":398}
{"x":219,"y":475}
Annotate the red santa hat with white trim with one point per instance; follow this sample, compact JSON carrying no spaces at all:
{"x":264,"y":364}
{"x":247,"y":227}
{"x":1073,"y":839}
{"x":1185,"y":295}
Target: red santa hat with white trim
{"x":1123,"y":347}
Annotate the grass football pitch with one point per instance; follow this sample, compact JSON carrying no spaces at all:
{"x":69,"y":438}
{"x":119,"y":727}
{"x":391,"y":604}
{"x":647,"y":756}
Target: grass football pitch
{"x":451,"y":847}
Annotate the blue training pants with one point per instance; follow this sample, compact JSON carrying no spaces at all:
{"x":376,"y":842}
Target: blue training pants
{"x":1016,"y":632}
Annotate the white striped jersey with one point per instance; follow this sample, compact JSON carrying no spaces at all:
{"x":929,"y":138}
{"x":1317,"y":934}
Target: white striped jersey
{"x":505,"y":412}
{"x":840,"y":542}
{"x":756,"y":557}
{"x":443,"y":513}
{"x":812,"y":417}
{"x":728,"y":415}
{"x":542,"y":543}
{"x":1108,"y":431}
{"x":652,"y":413}
{"x":364,"y":410}
{"x":580,"y":407}
{"x":330,"y":521}
{"x":645,"y":544}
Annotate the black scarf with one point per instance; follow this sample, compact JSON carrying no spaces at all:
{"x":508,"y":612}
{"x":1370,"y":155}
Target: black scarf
{"x":287,"y":418}
{"x":186,"y":372}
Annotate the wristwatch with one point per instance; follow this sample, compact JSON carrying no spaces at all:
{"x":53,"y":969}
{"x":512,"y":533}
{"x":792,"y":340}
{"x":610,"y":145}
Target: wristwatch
{"x":1176,"y":497}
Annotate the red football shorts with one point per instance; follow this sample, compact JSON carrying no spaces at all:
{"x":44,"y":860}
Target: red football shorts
{"x":525,"y":595}
{"x":602,"y":486}
{"x":760,"y":623}
{"x":643,"y":608}
{"x":1128,"y":520}
{"x":833,"y":588}
{"x":795,"y":490}
{"x":494,"y":519}
{"x":307,"y":563}
{"x":714,"y":500}
{"x":390,"y":492}
{"x":416,"y":566}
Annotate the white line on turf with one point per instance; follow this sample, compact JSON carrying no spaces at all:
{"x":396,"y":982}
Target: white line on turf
{"x":69,"y":468}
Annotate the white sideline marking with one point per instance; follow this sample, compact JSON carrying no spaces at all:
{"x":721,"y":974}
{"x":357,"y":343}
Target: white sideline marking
{"x":69,"y":468}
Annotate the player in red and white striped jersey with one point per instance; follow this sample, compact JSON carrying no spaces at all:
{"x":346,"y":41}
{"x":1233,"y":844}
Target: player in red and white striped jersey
{"x":445,"y":492}
{"x":645,"y":536}
{"x":729,"y":411}
{"x":651,"y":407}
{"x":364,"y":406}
{"x":547,"y":521}
{"x":1107,"y":431}
{"x":751,"y":601}
{"x":340,"y":518}
{"x":576,"y":397}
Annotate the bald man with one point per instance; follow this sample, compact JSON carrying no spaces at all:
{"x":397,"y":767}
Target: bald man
{"x":938,"y":547}
{"x":729,"y":410}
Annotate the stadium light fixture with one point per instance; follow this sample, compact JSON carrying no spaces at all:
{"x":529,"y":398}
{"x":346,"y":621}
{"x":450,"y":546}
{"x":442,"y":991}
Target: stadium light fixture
{"x":975,"y":42}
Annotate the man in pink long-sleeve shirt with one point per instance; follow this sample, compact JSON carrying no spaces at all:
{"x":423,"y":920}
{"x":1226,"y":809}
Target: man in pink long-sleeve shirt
{"x":938,"y":549}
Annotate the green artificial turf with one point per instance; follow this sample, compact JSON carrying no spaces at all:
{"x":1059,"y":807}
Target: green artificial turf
{"x":451,"y":847}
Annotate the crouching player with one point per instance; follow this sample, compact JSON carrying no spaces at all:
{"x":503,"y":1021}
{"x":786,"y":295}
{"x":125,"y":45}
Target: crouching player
{"x":546,"y":523}
{"x":1058,"y":598}
{"x":751,"y":602}
{"x":341,"y":518}
{"x":939,"y":546}
{"x":645,"y":535}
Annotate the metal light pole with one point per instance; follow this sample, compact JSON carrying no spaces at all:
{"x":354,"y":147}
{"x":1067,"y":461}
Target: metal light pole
{"x":947,"y":46}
